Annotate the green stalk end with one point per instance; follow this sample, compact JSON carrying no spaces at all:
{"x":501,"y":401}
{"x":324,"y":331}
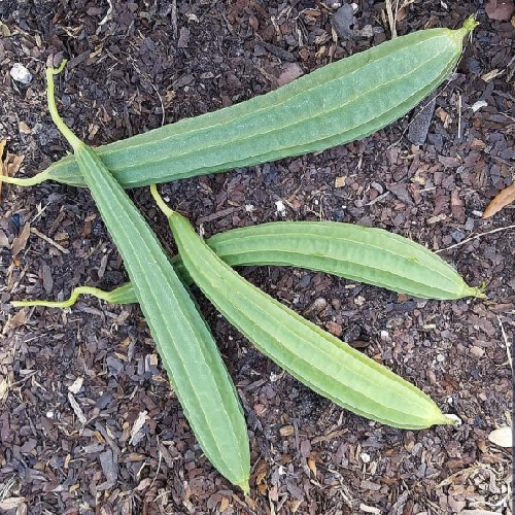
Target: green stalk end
{"x":470,"y":23}
{"x":161,"y":204}
{"x":245,"y":487}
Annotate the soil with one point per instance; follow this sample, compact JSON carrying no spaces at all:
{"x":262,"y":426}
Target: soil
{"x":308,"y":455}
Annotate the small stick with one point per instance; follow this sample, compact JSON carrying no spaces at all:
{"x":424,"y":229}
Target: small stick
{"x":49,"y":240}
{"x":477,"y":236}
{"x":459,"y":117}
{"x":506,"y":343}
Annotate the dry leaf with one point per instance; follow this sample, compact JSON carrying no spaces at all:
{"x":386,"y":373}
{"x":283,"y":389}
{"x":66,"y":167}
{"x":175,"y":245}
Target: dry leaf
{"x":4,"y":30}
{"x":20,"y":241}
{"x":505,"y":197}
{"x":12,"y":164}
{"x":503,"y":437}
{"x":16,"y":321}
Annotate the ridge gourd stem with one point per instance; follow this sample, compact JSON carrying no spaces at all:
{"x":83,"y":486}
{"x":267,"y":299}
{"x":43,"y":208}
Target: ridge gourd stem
{"x":81,"y":290}
{"x":168,"y":212}
{"x":75,"y":142}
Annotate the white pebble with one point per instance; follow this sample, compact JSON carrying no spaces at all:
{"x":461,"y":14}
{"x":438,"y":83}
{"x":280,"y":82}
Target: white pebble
{"x":20,"y":74}
{"x":364,"y":457}
{"x":281,"y":208}
{"x":478,"y":105}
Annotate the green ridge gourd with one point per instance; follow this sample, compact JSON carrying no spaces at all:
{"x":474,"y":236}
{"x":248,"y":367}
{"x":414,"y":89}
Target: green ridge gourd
{"x":364,"y":254}
{"x":338,"y":103}
{"x":186,"y":347}
{"x":316,"y":358}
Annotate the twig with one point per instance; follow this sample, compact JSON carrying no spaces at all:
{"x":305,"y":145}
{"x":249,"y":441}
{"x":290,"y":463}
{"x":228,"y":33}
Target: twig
{"x":477,"y":236}
{"x":506,"y":343}
{"x":106,"y":18}
{"x":459,"y":117}
{"x":49,"y":240}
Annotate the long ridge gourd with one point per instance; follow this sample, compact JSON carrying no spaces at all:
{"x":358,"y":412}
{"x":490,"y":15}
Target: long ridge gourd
{"x":185,"y":344}
{"x":363,"y":254}
{"x":316,"y":358}
{"x":338,"y":103}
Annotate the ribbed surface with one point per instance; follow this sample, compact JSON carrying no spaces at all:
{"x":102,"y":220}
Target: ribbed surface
{"x":338,"y":103}
{"x":363,"y":254}
{"x":185,"y":345}
{"x":319,"y":360}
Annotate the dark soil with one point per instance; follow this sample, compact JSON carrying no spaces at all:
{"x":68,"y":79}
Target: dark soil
{"x":308,"y":455}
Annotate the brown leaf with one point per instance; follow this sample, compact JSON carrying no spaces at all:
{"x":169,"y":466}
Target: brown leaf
{"x":20,"y":241}
{"x":16,"y":321}
{"x":12,"y":164}
{"x":505,"y":197}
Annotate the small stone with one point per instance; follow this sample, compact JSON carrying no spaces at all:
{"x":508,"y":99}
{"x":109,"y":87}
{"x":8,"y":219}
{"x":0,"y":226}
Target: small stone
{"x":503,"y":437}
{"x":477,"y":352}
{"x":280,"y":207}
{"x":20,"y":74}
{"x":364,"y":457}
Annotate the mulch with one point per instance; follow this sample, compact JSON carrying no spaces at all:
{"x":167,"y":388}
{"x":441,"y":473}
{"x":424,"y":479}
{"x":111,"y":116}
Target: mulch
{"x":88,"y":422}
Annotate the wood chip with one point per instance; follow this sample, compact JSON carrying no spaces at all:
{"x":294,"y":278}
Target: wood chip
{"x":12,"y":503}
{"x":76,"y":385}
{"x":339,"y":182}
{"x":136,"y":436}
{"x":4,"y":389}
{"x":369,"y":509}
{"x":287,"y":430}
{"x":77,"y":409}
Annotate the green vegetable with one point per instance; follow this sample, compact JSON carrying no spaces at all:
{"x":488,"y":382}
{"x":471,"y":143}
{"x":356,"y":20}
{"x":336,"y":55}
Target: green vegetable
{"x":341,"y":102}
{"x":187,"y":349}
{"x":321,"y":361}
{"x":363,"y":254}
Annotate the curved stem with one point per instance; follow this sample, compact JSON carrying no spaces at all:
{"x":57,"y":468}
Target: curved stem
{"x":168,"y":212}
{"x":52,"y":107}
{"x":80,"y":290}
{"x":25,"y":181}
